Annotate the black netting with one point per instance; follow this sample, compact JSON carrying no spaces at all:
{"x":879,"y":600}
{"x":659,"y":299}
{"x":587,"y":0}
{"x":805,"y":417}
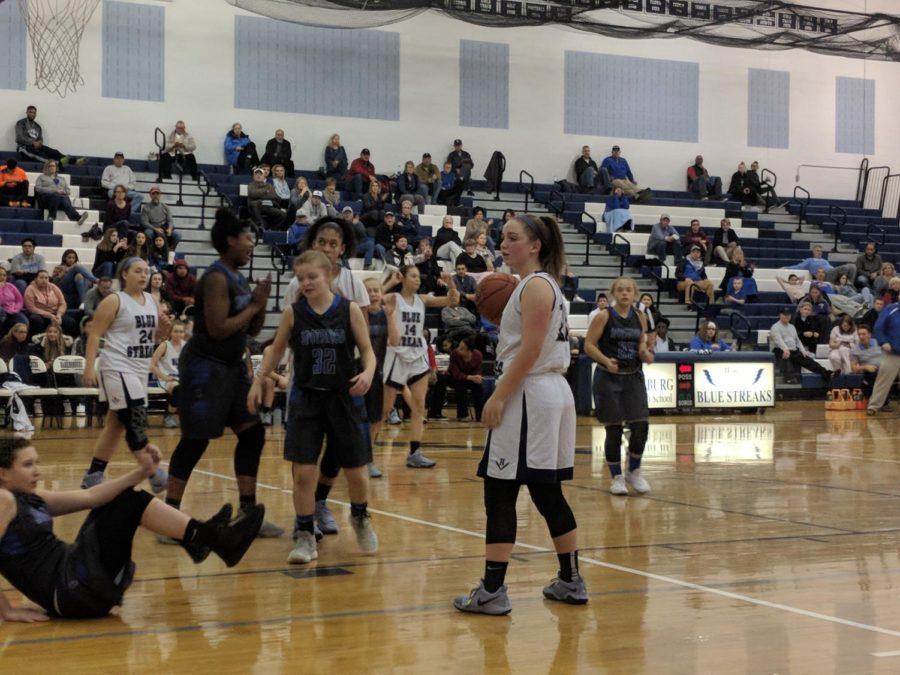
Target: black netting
{"x":754,"y":24}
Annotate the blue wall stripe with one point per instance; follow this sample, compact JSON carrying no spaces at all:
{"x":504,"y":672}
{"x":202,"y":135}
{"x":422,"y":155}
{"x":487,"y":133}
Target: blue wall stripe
{"x":854,"y":128}
{"x":286,"y":67}
{"x":630,"y":97}
{"x":12,"y":47}
{"x":768,"y":108}
{"x":133,"y":51}
{"x":483,"y":84}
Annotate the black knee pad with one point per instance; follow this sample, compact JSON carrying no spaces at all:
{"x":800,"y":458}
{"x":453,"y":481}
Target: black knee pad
{"x":249,"y":450}
{"x":329,"y":466}
{"x":185,"y":457}
{"x":638,"y":440}
{"x":552,"y":505}
{"x":612,"y":448}
{"x":134,"y":419}
{"x":500,"y":508}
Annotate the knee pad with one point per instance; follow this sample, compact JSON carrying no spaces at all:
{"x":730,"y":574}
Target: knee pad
{"x":187,"y":453}
{"x":612,"y":448}
{"x":638,"y":440}
{"x":249,"y":450}
{"x":552,"y":505}
{"x":134,"y":419}
{"x":329,"y":466}
{"x":500,"y":508}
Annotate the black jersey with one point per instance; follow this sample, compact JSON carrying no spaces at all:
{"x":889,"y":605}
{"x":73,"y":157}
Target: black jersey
{"x":31,"y":556}
{"x":323,"y":346}
{"x":378,"y":335}
{"x":621,"y":338}
{"x":231,"y":349}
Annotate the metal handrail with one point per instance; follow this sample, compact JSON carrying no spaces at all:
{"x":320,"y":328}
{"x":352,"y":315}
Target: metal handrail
{"x":861,"y":180}
{"x":527,"y":189}
{"x":838,"y":224}
{"x":884,"y":194}
{"x":160,"y":145}
{"x":204,"y":193}
{"x":658,"y":278}
{"x":280,"y":263}
{"x":700,"y":308}
{"x":802,"y":204}
{"x":771,"y":195}
{"x":589,"y":235}
{"x":734,"y":331}
{"x":620,"y":252}
{"x":869,"y":171}
{"x":873,"y":226}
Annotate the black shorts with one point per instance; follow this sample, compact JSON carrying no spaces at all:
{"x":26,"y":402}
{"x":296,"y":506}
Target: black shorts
{"x":211,"y":396}
{"x":620,"y":398}
{"x":317,"y":416}
{"x":375,"y":399}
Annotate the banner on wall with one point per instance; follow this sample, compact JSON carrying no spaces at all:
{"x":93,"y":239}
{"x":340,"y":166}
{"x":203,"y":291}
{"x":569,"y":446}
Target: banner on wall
{"x":734,"y":385}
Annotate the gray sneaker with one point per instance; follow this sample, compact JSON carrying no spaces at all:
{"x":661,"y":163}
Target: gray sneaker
{"x":572,"y":592}
{"x":170,"y":421}
{"x":479,"y":601}
{"x":374,"y":471}
{"x":394,"y":417}
{"x":365,"y":533}
{"x":163,"y":539}
{"x":269,"y":530}
{"x":92,"y":479}
{"x":159,"y":481}
{"x":304,"y":550}
{"x":419,"y":461}
{"x":325,"y":519}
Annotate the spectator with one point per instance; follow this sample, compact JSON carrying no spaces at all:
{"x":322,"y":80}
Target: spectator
{"x":430,"y":178}
{"x":159,"y":253}
{"x":429,"y":270}
{"x":870,"y":318}
{"x":738,"y":267}
{"x":118,"y":173}
{"x":179,"y":287}
{"x":795,"y":287}
{"x":73,"y":278}
{"x":892,"y":292}
{"x":695,"y":237}
{"x":737,"y":295}
{"x":52,"y":193}
{"x":399,"y":254}
{"x":314,"y":208}
{"x":335,"y":158}
{"x":374,"y":204}
{"x":481,"y":248}
{"x":466,"y":287}
{"x":332,"y":196}
{"x":110,"y":252}
{"x":616,"y":167}
{"x":15,"y":342}
{"x":139,"y":247}
{"x":408,"y":222}
{"x":282,"y":189}
{"x":278,"y":151}
{"x":156,"y":219}
{"x":664,"y":343}
{"x":602,"y":305}
{"x":818,"y":262}
{"x":53,"y":344}
{"x":881,"y":282}
{"x":617,"y":215}
{"x":868,"y":266}
{"x":30,"y":141}
{"x":180,"y":147}
{"x":701,"y":183}
{"x":11,"y":302}
{"x":155,"y":285}
{"x":587,"y":173}
{"x":707,"y":339}
{"x":25,"y":266}
{"x":386,"y":231}
{"x":477,"y":224}
{"x":97,"y":294}
{"x":447,"y":241}
{"x":810,"y":328}
{"x":866,"y":357}
{"x":240,"y":151}
{"x":451,"y":186}
{"x":79,"y":347}
{"x":466,"y":379}
{"x":820,"y":283}
{"x":409,"y":187}
{"x":474,"y":263}
{"x":568,"y":280}
{"x":360,"y":174}
{"x":690,"y":274}
{"x":821,"y":305}
{"x":843,"y":287}
{"x":300,"y":194}
{"x":13,"y":185}
{"x":462,"y":165}
{"x":119,"y":212}
{"x":261,"y":200}
{"x":743,"y":187}
{"x":842,"y":341}
{"x":45,"y":304}
{"x":297,"y":230}
{"x":887,"y":332}
{"x":791,"y":351}
{"x":365,"y":239}
{"x":648,"y":308}
{"x":725,"y":241}
{"x":664,"y":240}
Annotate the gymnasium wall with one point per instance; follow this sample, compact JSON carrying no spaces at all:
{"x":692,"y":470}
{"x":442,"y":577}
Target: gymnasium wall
{"x":537,"y":94}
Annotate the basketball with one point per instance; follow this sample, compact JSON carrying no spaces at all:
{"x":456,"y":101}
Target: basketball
{"x":492,"y":295}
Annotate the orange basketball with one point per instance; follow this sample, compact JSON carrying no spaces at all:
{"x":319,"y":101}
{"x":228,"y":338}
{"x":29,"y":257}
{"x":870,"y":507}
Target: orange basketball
{"x":492,"y":295}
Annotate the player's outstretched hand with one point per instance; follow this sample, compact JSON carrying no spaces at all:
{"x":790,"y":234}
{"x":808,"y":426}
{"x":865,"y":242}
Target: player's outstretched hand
{"x":262,"y":291}
{"x":254,"y":397}
{"x":24,"y":615}
{"x":493,"y":412}
{"x":148,"y":460}
{"x":360,"y":384}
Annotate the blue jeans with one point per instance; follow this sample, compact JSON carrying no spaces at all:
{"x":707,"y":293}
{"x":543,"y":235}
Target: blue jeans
{"x":107,"y":269}
{"x":57,"y":202}
{"x":136,"y":200}
{"x":17,"y":317}
{"x":75,"y":284}
{"x":21,"y":284}
{"x":367,"y":248}
{"x":588,"y":178}
{"x":435,"y":191}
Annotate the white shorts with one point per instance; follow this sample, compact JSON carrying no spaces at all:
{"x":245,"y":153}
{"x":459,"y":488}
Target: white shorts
{"x":121,"y":390}
{"x":535,"y":440}
{"x":398,"y":373}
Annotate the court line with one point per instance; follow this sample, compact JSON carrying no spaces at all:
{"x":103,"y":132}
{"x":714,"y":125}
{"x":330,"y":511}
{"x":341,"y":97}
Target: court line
{"x":883,"y":654}
{"x":613,"y":566}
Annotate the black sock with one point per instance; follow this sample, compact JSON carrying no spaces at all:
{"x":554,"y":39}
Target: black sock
{"x":174,"y":503}
{"x":568,"y":565}
{"x":97,"y":465}
{"x":494,"y":575}
{"x":247,"y":501}
{"x":322,"y":491}
{"x":198,"y":537}
{"x":358,"y":510}
{"x":304,"y":523}
{"x":413,"y":446}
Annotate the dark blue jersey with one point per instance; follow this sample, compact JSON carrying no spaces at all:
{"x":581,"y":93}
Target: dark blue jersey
{"x":323,"y":346}
{"x":621,"y":338}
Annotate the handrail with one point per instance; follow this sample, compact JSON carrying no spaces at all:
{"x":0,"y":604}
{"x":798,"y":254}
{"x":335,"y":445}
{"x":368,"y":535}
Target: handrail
{"x":869,"y":171}
{"x":895,"y":194}
{"x":802,"y":204}
{"x":255,"y":233}
{"x":658,"y":278}
{"x":620,"y":252}
{"x":770,"y":194}
{"x":873,"y":226}
{"x":588,"y":235}
{"x":838,"y":224}
{"x":734,"y":331}
{"x":709,"y":299}
{"x":204,"y":193}
{"x":562,"y":199}
{"x":860,"y":181}
{"x":280,"y":264}
{"x":160,"y":145}
{"x":529,"y":189}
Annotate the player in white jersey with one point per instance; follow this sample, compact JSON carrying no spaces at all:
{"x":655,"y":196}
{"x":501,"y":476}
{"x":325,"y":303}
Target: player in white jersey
{"x":531,"y":417}
{"x":165,"y":367}
{"x":406,"y":366}
{"x":131,"y":323}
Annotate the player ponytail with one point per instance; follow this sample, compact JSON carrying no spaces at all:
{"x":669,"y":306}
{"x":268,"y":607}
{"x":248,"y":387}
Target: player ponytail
{"x":545,"y":229}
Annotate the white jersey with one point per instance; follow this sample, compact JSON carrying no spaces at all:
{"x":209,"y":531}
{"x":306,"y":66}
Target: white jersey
{"x":555,"y":355}
{"x":168,"y":364}
{"x":344,"y":284}
{"x":411,"y":320}
{"x":130,"y":340}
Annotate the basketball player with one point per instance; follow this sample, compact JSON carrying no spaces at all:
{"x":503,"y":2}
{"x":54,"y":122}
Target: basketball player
{"x":617,"y":341}
{"x":89,"y":577}
{"x":323,"y":331}
{"x":164,"y":366}
{"x":406,"y":365}
{"x":531,"y":417}
{"x":214,"y":378}
{"x":131,"y":323}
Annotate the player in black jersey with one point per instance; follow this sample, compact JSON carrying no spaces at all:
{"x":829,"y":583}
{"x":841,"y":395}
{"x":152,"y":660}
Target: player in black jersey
{"x":323,"y":331}
{"x":617,"y":341}
{"x":89,"y":577}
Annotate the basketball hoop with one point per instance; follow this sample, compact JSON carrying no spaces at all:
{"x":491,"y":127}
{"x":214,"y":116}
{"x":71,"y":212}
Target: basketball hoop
{"x":55,"y":28}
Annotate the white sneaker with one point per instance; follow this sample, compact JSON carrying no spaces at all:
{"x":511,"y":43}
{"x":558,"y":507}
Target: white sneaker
{"x":637,"y":481}
{"x":80,"y":410}
{"x":38,"y":408}
{"x":67,"y":407}
{"x":365,"y":534}
{"x":304,"y":550}
{"x":618,"y":486}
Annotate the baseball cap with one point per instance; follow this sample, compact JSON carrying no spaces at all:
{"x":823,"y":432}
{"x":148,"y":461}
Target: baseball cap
{"x":317,"y":193}
{"x":346,"y":209}
{"x":457,"y":142}
{"x":155,"y":188}
{"x":258,"y":170}
{"x":616,"y":147}
{"x":695,"y":248}
{"x":119,"y":154}
{"x":427,"y":154}
{"x":664,"y":216}
{"x":389,"y":212}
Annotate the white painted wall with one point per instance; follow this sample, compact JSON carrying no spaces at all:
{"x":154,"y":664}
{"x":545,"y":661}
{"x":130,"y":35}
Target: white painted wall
{"x":199,"y":89}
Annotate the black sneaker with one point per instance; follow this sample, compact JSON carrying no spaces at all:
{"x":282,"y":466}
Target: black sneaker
{"x":217,"y":525}
{"x":237,"y":536}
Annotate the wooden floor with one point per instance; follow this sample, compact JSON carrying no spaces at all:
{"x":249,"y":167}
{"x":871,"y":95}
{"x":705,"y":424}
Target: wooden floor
{"x":768,"y":545}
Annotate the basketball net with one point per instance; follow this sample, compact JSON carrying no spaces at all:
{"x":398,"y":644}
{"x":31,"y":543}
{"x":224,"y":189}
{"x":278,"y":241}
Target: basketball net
{"x":55,"y":28}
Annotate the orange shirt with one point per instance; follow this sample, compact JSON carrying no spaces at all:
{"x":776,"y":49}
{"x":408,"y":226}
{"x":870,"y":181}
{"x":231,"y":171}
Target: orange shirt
{"x":13,"y":177}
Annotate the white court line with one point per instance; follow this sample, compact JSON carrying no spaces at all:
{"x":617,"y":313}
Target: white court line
{"x":885,"y":653}
{"x":618,"y":568}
